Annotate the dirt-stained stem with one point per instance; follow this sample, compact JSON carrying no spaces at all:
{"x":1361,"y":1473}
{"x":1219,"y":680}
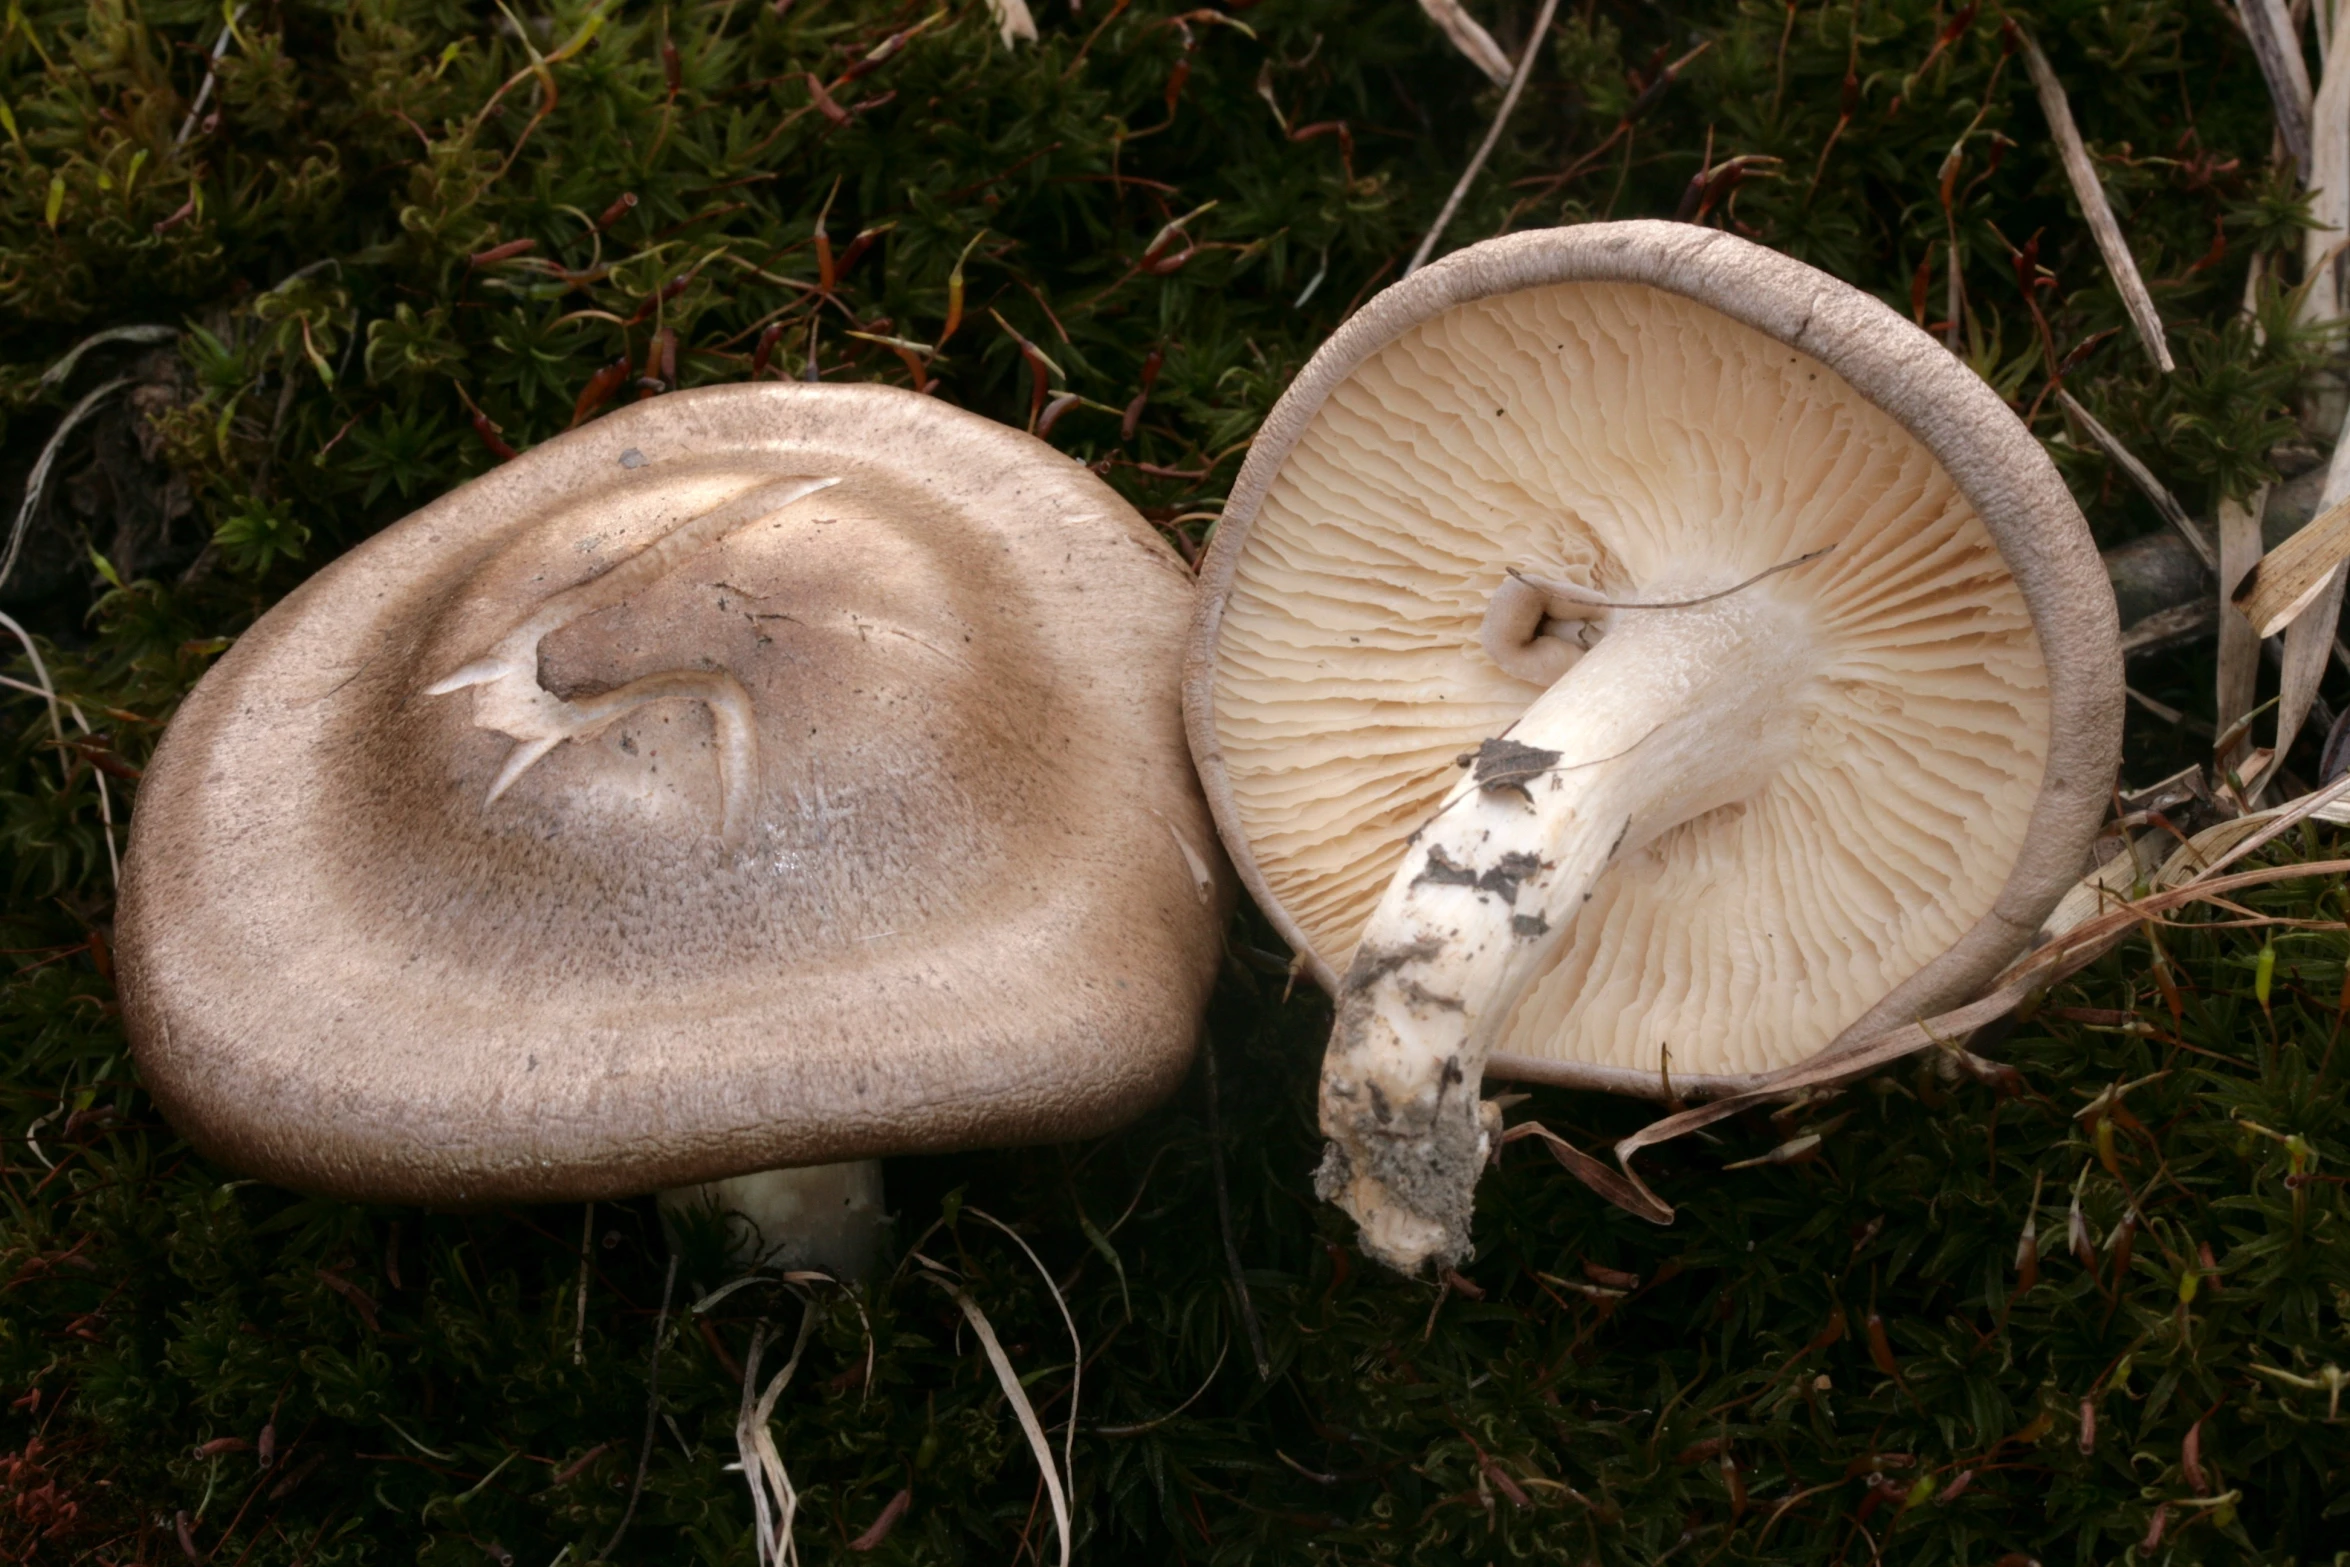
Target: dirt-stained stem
{"x":1671,"y":715}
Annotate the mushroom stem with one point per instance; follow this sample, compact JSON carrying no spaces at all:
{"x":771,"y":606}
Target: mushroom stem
{"x":1671,"y":714}
{"x":823,"y":1216}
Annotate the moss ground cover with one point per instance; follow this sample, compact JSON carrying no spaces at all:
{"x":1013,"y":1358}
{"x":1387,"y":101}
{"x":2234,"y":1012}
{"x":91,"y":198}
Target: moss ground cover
{"x":329,"y":259}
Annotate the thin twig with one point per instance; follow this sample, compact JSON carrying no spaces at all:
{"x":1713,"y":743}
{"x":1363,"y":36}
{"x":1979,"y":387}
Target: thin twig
{"x":587,"y":1235}
{"x":1248,"y":1310}
{"x":2091,"y":194}
{"x":2277,"y":49}
{"x":644,"y":1455}
{"x":2143,"y":478}
{"x":1501,"y":117}
{"x":1470,"y":38}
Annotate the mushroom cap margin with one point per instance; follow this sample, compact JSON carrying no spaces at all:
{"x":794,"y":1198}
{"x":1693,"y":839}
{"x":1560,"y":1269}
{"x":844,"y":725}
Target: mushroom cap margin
{"x":1994,"y":461}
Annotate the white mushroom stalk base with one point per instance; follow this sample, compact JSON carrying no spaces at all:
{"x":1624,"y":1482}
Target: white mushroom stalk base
{"x":1674,"y":712}
{"x":825,"y":1216}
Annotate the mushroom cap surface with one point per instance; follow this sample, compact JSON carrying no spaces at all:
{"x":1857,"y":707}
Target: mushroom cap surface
{"x":866,"y":826}
{"x":1609,"y":405}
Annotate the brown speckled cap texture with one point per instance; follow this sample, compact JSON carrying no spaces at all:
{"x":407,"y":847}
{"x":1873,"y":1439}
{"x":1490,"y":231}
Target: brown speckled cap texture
{"x":1601,"y":402}
{"x":643,"y":814}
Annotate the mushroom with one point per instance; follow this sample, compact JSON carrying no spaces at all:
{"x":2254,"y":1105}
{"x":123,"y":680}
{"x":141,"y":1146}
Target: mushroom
{"x":756,"y":778}
{"x":1632,"y":659}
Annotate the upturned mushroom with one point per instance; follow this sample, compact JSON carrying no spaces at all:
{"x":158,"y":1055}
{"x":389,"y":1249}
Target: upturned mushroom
{"x":1632,"y":659}
{"x":757,"y":778}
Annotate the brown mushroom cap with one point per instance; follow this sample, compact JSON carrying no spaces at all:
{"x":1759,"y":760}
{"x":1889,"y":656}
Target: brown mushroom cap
{"x":1612,"y":406}
{"x":866,"y":825}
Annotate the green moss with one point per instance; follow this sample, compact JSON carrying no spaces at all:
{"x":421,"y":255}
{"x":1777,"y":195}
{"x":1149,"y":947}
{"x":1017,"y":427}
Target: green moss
{"x":416,"y":235}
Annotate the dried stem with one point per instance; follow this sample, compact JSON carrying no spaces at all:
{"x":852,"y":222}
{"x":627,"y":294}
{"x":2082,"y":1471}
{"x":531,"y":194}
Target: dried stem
{"x":2143,"y":478}
{"x":2094,"y":207}
{"x":2274,"y":45}
{"x":1501,"y":117}
{"x":587,"y":1235}
{"x":2311,"y":635}
{"x":1470,"y":38}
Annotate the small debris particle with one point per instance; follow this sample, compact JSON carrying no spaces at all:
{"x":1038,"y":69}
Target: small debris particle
{"x":632,"y":458}
{"x":1502,"y":880}
{"x":1371,"y":964}
{"x":1421,"y":995}
{"x":1503,"y":764}
{"x":1528,"y":926}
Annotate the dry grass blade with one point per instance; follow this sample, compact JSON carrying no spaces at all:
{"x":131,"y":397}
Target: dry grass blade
{"x":2287,"y":582}
{"x":2329,"y":188}
{"x":2275,"y":46}
{"x":36,"y":485}
{"x":2307,"y":642}
{"x":1240,"y":1290}
{"x":1013,"y":23}
{"x":1021,"y":1407}
{"x":2066,"y":953}
{"x":2310,"y":636}
{"x":1076,"y":1344}
{"x":1627,"y":1195}
{"x":47,"y":690}
{"x":1470,"y":38}
{"x":1501,"y":117}
{"x":1197,"y":1394}
{"x":774,"y":1500}
{"x":2091,"y":194}
{"x":2239,"y":644}
{"x":69,"y":361}
{"x":2147,"y":483}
